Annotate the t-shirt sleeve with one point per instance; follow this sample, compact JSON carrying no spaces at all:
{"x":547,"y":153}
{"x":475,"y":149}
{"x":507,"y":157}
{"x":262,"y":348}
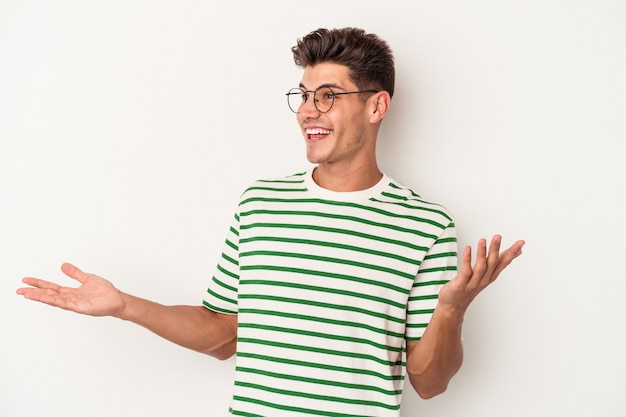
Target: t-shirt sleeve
{"x":221,"y":296}
{"x":437,"y":268}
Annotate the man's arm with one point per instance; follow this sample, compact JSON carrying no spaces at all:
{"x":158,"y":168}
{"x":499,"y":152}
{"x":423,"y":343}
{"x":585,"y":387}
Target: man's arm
{"x":193,"y":327}
{"x":436,"y":358}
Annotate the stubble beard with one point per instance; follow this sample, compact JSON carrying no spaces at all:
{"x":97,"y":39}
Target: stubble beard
{"x":346,"y":152}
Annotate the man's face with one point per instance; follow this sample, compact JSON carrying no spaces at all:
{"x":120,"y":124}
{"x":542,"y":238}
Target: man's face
{"x":344,"y":133}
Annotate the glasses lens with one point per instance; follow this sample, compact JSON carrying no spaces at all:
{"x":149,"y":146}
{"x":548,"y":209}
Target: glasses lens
{"x":324,"y":98}
{"x":295,"y":99}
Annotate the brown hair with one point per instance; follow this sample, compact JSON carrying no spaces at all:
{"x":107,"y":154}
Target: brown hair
{"x":369,"y":59}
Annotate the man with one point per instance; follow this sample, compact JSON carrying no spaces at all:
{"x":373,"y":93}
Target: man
{"x":333,"y":282}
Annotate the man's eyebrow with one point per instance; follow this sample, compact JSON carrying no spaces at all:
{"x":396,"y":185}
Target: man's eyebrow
{"x":331,"y":85}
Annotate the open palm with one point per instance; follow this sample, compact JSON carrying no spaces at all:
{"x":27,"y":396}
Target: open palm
{"x":95,"y":296}
{"x":470,"y":281}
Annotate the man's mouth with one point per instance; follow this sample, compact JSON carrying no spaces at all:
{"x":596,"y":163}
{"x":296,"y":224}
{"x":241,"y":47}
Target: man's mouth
{"x":317,"y":132}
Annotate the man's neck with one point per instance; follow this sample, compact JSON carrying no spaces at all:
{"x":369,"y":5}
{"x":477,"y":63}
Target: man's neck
{"x":336,"y":178}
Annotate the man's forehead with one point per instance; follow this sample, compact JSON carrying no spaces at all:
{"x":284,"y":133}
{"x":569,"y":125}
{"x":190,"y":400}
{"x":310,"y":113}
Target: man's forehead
{"x":328,"y":74}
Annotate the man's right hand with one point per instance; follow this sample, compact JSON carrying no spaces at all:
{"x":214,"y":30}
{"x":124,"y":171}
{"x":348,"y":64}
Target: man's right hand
{"x":194,"y":327}
{"x":95,"y":296}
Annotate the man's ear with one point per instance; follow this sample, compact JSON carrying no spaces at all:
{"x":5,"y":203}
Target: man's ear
{"x":380,"y":106}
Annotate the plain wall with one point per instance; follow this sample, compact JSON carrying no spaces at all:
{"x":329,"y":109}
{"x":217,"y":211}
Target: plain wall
{"x":128,"y":129}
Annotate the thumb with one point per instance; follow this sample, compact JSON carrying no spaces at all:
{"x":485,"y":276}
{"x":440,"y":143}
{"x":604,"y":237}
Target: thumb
{"x":74,"y":272}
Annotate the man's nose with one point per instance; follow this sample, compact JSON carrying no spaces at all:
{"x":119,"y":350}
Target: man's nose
{"x":308,"y":108}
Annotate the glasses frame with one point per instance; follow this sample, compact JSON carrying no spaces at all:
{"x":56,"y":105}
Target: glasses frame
{"x":300,"y":91}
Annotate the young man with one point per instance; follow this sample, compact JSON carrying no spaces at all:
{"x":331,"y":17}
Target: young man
{"x":333,"y":282}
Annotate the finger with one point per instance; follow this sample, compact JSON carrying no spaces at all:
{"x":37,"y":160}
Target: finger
{"x":466,"y":264}
{"x":508,"y":255}
{"x":493,"y":257}
{"x":40,"y":283}
{"x":38,"y":289}
{"x":480,"y":266}
{"x":74,"y":272}
{"x":46,"y":296}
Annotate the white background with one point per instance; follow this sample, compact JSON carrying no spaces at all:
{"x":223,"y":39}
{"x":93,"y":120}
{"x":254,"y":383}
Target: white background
{"x":128,"y":129}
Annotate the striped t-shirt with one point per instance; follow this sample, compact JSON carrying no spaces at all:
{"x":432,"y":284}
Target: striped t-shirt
{"x":327,"y":287}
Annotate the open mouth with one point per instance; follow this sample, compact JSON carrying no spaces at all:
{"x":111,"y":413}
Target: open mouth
{"x":317,"y":133}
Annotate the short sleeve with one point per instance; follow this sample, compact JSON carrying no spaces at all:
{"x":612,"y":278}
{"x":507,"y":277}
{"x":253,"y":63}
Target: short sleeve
{"x":221,"y":295}
{"x":437,"y":268}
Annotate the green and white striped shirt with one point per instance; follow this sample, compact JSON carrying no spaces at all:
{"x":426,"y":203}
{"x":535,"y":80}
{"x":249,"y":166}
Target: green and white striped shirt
{"x":327,"y":287}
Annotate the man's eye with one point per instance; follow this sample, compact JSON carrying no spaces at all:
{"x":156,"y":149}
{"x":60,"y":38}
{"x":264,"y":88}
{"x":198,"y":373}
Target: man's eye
{"x":329,"y":96}
{"x":305,"y":96}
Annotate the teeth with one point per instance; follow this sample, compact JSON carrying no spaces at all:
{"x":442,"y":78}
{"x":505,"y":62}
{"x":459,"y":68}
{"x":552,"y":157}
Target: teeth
{"x":318,"y":131}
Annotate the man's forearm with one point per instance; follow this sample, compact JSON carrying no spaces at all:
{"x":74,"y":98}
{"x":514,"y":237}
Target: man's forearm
{"x":193,"y":327}
{"x":436,"y":358}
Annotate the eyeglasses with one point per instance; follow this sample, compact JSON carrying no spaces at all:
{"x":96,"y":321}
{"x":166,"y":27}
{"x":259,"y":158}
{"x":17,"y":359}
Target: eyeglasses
{"x":323,"y":98}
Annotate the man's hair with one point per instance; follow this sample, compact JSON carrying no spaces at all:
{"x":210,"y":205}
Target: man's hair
{"x":369,"y":59}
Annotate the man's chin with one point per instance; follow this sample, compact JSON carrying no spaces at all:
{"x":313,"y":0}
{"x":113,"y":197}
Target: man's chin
{"x":315,"y":159}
